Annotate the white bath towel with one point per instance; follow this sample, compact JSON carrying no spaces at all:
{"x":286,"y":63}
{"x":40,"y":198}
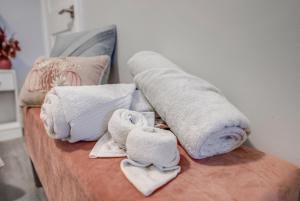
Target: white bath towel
{"x":153,"y":158}
{"x":122,"y":122}
{"x":140,"y":103}
{"x":204,"y":121}
{"x":77,"y":113}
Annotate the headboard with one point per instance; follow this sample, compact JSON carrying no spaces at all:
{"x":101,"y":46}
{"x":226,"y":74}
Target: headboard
{"x":249,"y":49}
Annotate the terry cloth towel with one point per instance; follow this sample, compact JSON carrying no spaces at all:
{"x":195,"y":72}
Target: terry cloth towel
{"x":153,"y":158}
{"x":77,"y":113}
{"x":121,"y":124}
{"x":140,"y":103}
{"x":203,"y":120}
{"x":107,"y":148}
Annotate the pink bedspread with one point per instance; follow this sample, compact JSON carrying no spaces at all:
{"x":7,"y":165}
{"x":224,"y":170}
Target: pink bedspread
{"x":67,"y":174}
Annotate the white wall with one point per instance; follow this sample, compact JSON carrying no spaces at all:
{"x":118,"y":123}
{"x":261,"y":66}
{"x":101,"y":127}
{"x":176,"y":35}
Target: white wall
{"x":24,"y":19}
{"x":53,"y":23}
{"x":249,"y":49}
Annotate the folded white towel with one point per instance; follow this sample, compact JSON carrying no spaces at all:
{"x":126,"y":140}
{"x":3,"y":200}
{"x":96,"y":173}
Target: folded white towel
{"x":204,"y":121}
{"x":140,"y":103}
{"x":122,"y":122}
{"x":77,"y":113}
{"x":147,"y":179}
{"x":106,"y":146}
{"x":153,"y":158}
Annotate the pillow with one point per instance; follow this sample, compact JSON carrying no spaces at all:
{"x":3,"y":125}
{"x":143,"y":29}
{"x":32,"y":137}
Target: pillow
{"x":47,"y":73}
{"x":95,"y":42}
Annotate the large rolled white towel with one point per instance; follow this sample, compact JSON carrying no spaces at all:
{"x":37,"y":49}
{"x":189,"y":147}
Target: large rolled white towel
{"x":77,"y":113}
{"x":204,"y":121}
{"x":153,"y":158}
{"x":122,"y":122}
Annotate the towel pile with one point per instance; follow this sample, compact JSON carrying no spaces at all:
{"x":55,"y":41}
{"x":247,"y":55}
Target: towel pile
{"x":152,"y":153}
{"x":203,"y":120}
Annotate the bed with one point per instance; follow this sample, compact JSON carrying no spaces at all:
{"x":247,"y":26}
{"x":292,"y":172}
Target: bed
{"x":67,"y":174}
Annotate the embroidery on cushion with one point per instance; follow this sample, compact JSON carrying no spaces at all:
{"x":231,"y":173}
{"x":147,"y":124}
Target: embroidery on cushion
{"x":47,"y":73}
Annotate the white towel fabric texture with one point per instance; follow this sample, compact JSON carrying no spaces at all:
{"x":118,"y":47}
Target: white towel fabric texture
{"x":203,"y":120}
{"x":153,"y":158}
{"x":140,"y":103}
{"x":119,"y":126}
{"x":122,"y":122}
{"x":77,"y":113}
{"x":106,"y":147}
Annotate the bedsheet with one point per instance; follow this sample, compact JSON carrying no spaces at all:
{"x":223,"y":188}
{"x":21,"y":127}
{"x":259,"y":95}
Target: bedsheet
{"x":67,"y":174}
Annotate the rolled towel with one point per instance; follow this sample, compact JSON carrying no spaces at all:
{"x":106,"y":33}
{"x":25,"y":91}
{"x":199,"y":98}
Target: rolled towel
{"x":204,"y":121}
{"x":153,"y":159}
{"x":107,"y":147}
{"x":140,"y":103}
{"x":122,"y":122}
{"x":155,"y":146}
{"x":77,"y":113}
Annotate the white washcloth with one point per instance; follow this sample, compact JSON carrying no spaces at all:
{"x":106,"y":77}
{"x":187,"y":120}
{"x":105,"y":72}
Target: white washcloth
{"x":77,"y":113}
{"x":107,"y":147}
{"x":122,"y":122}
{"x":140,"y":103}
{"x":204,"y":121}
{"x":147,"y":179}
{"x":153,"y":158}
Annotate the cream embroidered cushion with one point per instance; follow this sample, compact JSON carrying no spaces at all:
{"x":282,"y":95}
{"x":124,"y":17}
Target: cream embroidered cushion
{"x":49,"y":72}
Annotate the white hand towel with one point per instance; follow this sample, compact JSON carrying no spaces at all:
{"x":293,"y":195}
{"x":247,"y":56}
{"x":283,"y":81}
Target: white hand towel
{"x":122,"y":122}
{"x":204,"y":121}
{"x":77,"y":113}
{"x":147,"y":179}
{"x":140,"y":103}
{"x":107,"y":147}
{"x":153,"y":158}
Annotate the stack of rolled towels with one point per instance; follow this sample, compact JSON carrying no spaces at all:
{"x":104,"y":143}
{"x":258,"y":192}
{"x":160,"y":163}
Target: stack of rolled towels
{"x":123,"y":119}
{"x":152,"y":154}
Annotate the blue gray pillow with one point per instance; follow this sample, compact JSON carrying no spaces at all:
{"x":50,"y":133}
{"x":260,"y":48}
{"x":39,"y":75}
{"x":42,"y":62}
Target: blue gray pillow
{"x":95,"y":42}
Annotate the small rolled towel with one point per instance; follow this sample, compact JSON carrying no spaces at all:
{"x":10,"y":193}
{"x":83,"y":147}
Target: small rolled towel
{"x":77,"y":113}
{"x":204,"y":121}
{"x":153,"y":158}
{"x":106,"y":145}
{"x":153,"y":146}
{"x":122,"y":122}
